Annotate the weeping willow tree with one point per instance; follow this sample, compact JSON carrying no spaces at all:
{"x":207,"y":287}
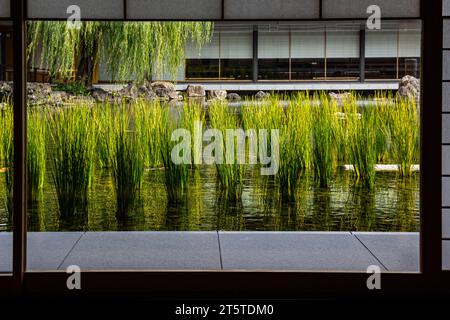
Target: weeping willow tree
{"x":126,"y":49}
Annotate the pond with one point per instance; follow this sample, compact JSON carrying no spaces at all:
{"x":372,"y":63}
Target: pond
{"x":392,"y":205}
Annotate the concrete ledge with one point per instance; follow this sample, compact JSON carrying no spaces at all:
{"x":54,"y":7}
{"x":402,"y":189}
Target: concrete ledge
{"x":397,"y":251}
{"x":446,"y":255}
{"x":146,"y":250}
{"x":315,"y":251}
{"x":312,"y":86}
{"x":384,"y":167}
{"x":294,"y":251}
{"x":46,"y":250}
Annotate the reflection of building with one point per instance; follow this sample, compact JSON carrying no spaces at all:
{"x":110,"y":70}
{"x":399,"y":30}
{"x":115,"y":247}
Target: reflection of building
{"x":291,"y":55}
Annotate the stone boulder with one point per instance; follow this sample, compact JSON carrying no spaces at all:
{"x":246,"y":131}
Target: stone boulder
{"x":37,"y":93}
{"x":409,"y":87}
{"x":5,"y":89}
{"x":217,"y":94}
{"x":339,"y":97}
{"x":233,"y":97}
{"x":101,"y":95}
{"x":260,"y":95}
{"x":164,"y":89}
{"x":195,"y":91}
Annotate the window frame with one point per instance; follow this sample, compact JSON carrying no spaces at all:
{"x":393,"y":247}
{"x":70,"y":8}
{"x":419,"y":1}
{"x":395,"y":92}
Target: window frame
{"x":430,"y":279}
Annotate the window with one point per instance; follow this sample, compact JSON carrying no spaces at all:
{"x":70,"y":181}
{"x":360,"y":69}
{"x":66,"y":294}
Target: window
{"x":307,"y":55}
{"x":229,"y":56}
{"x":202,"y":64}
{"x":409,"y":53}
{"x":273,"y":55}
{"x":236,"y":55}
{"x":342,"y":52}
{"x":381,"y":55}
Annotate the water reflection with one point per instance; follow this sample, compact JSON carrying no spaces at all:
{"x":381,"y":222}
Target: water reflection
{"x":392,"y":205}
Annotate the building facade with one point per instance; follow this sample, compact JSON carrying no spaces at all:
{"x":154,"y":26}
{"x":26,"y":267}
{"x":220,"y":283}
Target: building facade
{"x":278,"y":55}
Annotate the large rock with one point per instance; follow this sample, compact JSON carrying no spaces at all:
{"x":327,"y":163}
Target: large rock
{"x":233,"y":97}
{"x":164,"y":89}
{"x":37,"y":93}
{"x":409,"y":87}
{"x":339,"y":97}
{"x":260,"y":95}
{"x":5,"y":89}
{"x":195,"y":91}
{"x":217,"y":94}
{"x":101,"y":95}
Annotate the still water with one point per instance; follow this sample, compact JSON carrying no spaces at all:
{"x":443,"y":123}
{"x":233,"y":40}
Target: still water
{"x":392,"y":205}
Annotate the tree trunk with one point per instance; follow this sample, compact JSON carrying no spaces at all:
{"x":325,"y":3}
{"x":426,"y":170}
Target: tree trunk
{"x":86,"y":64}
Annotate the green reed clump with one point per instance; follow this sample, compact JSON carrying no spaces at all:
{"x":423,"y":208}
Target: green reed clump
{"x":36,"y":152}
{"x":7,"y":150}
{"x":382,"y":103}
{"x":104,"y":134}
{"x":404,"y":131}
{"x":193,"y":119}
{"x":127,"y":161}
{"x":151,"y":119}
{"x":361,"y":138}
{"x":72,"y":153}
{"x":295,"y":145}
{"x":175,"y":174}
{"x":324,"y":128}
{"x":229,"y":169}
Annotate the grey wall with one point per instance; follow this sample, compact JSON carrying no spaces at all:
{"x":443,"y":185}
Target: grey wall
{"x":446,"y":137}
{"x":4,"y":8}
{"x":212,"y":9}
{"x":90,"y":9}
{"x":174,"y":9}
{"x":357,"y":9}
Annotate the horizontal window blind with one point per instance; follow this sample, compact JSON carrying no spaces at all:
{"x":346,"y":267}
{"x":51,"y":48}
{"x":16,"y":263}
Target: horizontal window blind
{"x":207,"y":51}
{"x":236,"y":45}
{"x":342,"y":44}
{"x":409,"y":44}
{"x":381,"y":44}
{"x":307,"y":45}
{"x":273,"y":45}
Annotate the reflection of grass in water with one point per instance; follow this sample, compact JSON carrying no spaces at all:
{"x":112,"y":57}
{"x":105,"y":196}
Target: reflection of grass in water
{"x":406,"y":205}
{"x":194,"y":203}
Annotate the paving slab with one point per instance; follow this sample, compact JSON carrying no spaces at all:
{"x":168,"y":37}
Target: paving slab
{"x":46,"y":250}
{"x":398,"y":251}
{"x":146,"y":251}
{"x":446,"y":254}
{"x":327,"y":251}
{"x":6,"y":251}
